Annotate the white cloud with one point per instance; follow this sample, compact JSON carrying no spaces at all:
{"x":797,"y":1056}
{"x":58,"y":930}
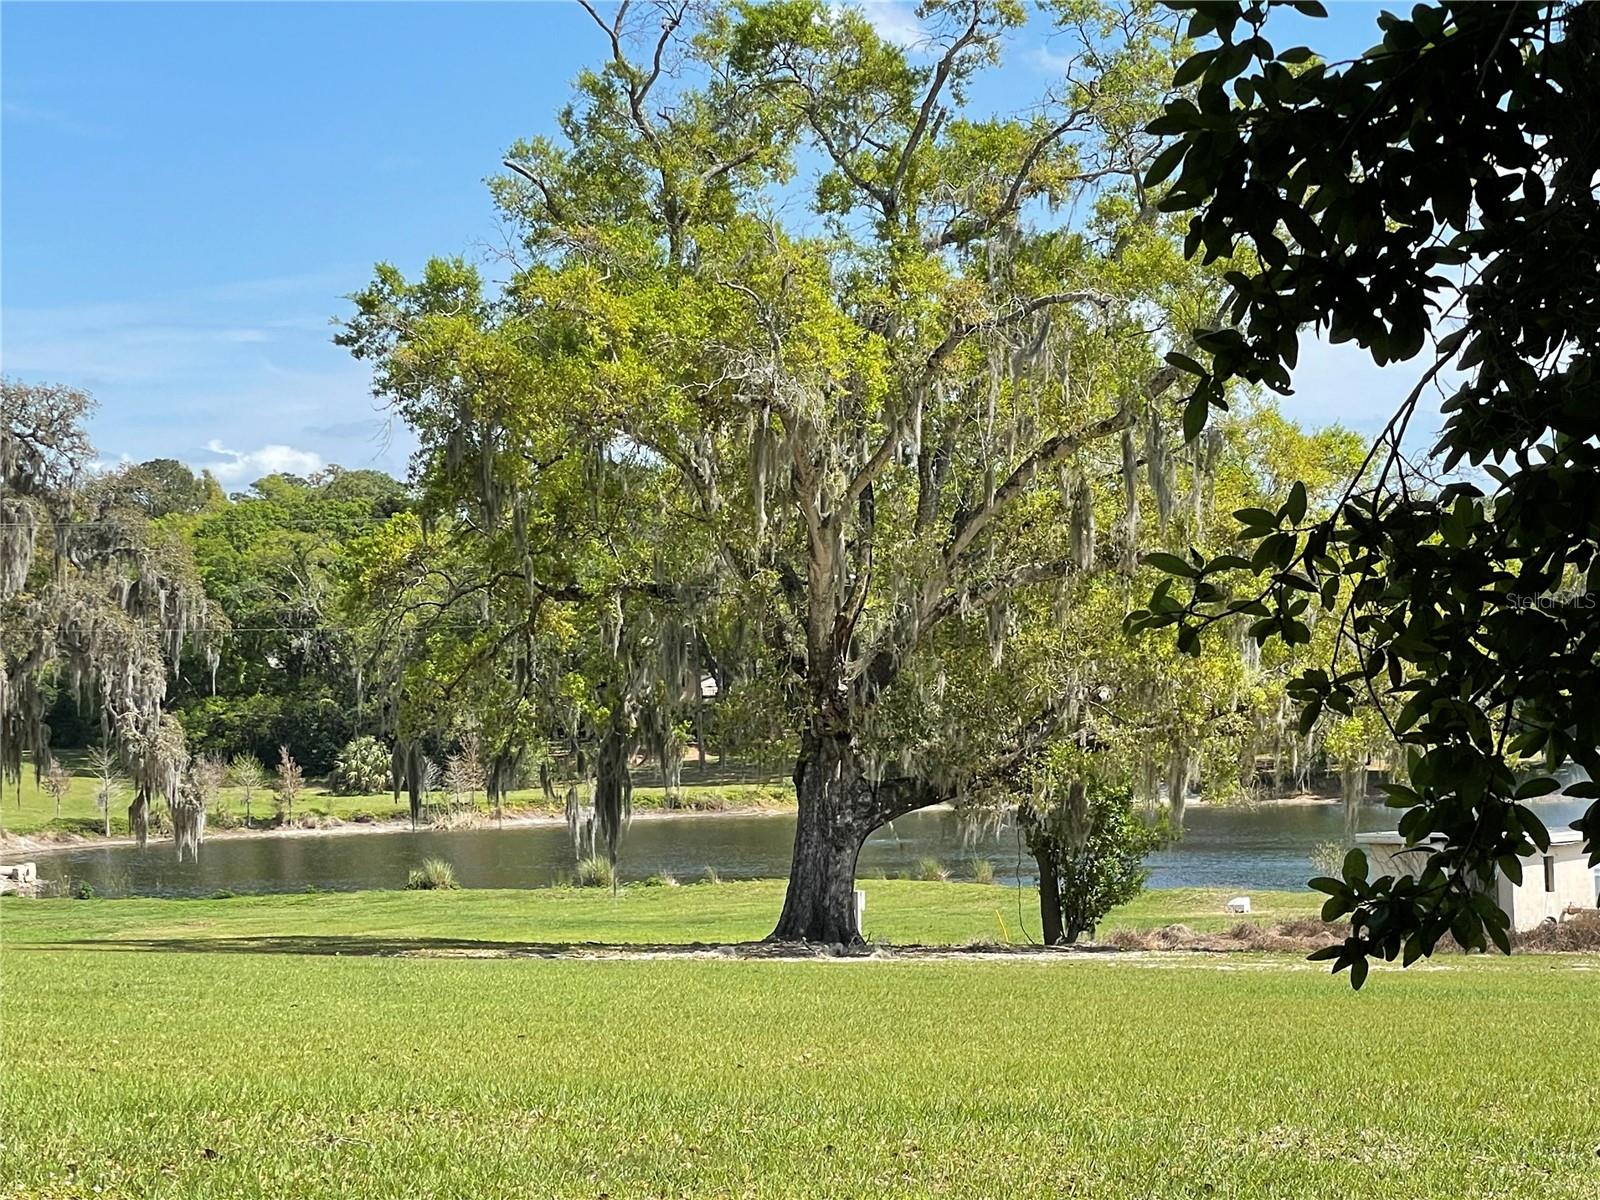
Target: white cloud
{"x":896,"y":21}
{"x":249,"y":363}
{"x":62,"y":122}
{"x":246,"y":466}
{"x":1051,"y":62}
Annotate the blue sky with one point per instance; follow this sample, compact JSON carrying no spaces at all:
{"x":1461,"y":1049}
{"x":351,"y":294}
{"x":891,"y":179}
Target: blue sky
{"x":187,"y":191}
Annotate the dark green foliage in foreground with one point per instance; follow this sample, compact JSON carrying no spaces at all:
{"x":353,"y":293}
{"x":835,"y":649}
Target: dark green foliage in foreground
{"x":1437,"y":194}
{"x":313,"y":1075}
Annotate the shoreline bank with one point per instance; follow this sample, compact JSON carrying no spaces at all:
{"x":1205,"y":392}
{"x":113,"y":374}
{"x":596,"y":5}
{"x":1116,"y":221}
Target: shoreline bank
{"x":54,"y":841}
{"x":49,"y":841}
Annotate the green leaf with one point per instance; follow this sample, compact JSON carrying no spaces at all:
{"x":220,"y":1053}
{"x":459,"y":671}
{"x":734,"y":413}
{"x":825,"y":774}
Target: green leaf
{"x":1511,"y":867}
{"x":1358,"y":973}
{"x":1170,"y":563}
{"x":1499,"y":937}
{"x":1227,"y":562}
{"x":1192,"y":68}
{"x":1542,"y":785}
{"x":1309,"y":715}
{"x":1354,"y":869}
{"x":1295,"y":506}
{"x":1194,"y":416}
{"x":1166,"y":162}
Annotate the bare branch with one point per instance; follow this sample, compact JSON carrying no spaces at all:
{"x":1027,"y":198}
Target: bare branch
{"x":941,"y":75}
{"x":715,"y":172}
{"x":1001,"y":585}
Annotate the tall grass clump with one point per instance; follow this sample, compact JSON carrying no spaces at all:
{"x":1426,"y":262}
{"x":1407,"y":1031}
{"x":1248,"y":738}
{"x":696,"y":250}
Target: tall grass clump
{"x":595,"y":871}
{"x":982,"y":871}
{"x":434,"y":875}
{"x":931,"y":870}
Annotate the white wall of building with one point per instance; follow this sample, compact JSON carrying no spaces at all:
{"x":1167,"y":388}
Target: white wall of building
{"x":1547,"y":891}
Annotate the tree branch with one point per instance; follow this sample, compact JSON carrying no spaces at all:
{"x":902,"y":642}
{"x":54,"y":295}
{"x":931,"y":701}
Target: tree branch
{"x":1022,"y":312}
{"x":549,"y":201}
{"x":941,"y":75}
{"x":1013,"y":199}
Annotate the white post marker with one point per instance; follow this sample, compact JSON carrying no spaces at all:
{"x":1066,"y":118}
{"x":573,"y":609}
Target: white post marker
{"x":861,"y":909}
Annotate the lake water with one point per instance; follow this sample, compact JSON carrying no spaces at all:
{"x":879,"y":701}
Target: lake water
{"x":1265,"y":846}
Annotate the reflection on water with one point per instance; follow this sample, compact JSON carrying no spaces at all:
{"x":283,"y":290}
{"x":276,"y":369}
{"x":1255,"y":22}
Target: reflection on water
{"x":1266,"y":846}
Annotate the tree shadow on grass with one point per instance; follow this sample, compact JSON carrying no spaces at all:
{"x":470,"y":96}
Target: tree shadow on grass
{"x":378,"y":946}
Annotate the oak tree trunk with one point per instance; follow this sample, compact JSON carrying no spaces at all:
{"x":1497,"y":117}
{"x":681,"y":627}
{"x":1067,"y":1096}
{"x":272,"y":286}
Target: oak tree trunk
{"x":836,"y":813}
{"x":1049,"y":900}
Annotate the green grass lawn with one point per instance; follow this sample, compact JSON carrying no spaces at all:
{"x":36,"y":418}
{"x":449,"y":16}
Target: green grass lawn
{"x":31,"y":809}
{"x":149,"y":1051}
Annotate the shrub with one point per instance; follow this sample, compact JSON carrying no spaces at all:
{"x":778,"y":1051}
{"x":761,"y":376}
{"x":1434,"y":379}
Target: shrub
{"x":433,"y":875}
{"x":711,"y":876}
{"x":982,"y":871}
{"x":595,"y":871}
{"x":85,"y":892}
{"x":222,"y":894}
{"x":58,"y":782}
{"x":290,"y":780}
{"x":661,"y":879}
{"x":361,"y":768}
{"x":1090,"y":843}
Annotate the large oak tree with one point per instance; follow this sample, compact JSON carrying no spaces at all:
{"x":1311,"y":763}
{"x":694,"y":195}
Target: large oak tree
{"x":872,"y":341}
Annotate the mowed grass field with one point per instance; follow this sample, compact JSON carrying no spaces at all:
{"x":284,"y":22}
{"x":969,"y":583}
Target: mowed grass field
{"x":320,"y":1046}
